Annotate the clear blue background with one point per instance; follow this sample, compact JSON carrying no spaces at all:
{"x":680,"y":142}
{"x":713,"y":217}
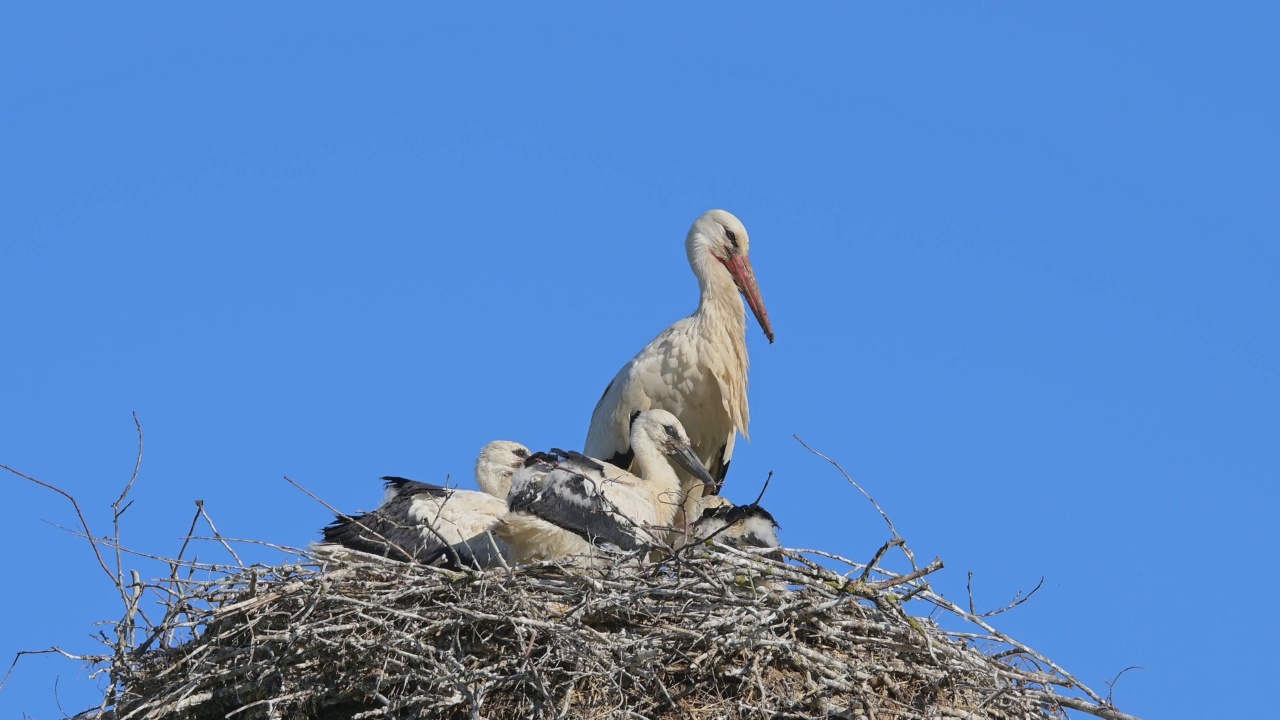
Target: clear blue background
{"x":1022,"y":261}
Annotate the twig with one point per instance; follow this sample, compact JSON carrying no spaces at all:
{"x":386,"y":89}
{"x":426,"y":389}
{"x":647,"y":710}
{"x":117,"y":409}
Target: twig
{"x":1018,"y":599}
{"x":18,"y":656}
{"x":1111,"y":685}
{"x":186,"y":540}
{"x":408,"y":556}
{"x":208,"y":520}
{"x":852,"y":482}
{"x":88,"y":534}
{"x":932,"y":567}
{"x":875,"y":559}
{"x":763,"y":490}
{"x":867,"y":495}
{"x":119,"y":507}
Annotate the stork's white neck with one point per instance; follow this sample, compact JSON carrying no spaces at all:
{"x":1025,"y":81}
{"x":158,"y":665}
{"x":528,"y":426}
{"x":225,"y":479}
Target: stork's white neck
{"x":659,"y":476}
{"x":495,"y":482}
{"x":719,"y":303}
{"x":495,"y":466}
{"x":720,"y":329}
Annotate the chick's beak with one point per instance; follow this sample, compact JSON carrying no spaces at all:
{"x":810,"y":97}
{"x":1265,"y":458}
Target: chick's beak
{"x":684,"y":457}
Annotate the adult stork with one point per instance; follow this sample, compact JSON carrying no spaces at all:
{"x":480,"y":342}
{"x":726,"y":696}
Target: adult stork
{"x":697,"y":368}
{"x":567,"y":504}
{"x":436,"y":525}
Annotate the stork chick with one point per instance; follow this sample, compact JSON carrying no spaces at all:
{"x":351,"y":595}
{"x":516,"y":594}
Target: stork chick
{"x":565,"y":503}
{"x":740,"y":526}
{"x":436,"y":525}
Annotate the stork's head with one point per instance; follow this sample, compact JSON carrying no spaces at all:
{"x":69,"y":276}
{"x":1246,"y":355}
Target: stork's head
{"x":661,"y":430}
{"x":498,"y":461}
{"x":738,"y":525}
{"x":717,"y":243}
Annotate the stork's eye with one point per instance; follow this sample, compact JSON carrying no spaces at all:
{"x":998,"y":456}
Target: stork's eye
{"x":733,"y":239}
{"x":671,"y":431}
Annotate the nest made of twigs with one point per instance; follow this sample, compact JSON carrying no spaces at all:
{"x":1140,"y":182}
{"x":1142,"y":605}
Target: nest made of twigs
{"x":715,"y":634}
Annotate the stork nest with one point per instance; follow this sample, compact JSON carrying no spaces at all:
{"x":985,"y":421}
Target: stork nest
{"x":715,"y":633}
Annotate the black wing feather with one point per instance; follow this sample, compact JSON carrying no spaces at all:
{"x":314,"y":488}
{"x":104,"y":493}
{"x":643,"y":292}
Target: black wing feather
{"x":390,"y":532}
{"x":719,"y":468}
{"x":408,"y":488}
{"x":571,"y":501}
{"x":577,"y":458}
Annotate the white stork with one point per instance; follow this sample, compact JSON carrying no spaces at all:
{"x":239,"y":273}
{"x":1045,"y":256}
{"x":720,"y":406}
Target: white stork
{"x":567,"y":504}
{"x":741,"y":526}
{"x":436,"y":525}
{"x":497,"y":462}
{"x":697,"y":368}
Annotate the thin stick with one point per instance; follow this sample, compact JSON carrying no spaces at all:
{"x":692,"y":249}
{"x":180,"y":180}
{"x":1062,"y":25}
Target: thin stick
{"x":18,"y":657}
{"x":1111,"y":686}
{"x":875,"y":559}
{"x":93,"y":542}
{"x":408,"y":555}
{"x":905,"y":550}
{"x":1018,"y":599}
{"x":934,"y":566}
{"x":177,"y":561}
{"x":756,"y":502}
{"x":216,"y":534}
{"x":119,"y":507}
{"x":854,"y":483}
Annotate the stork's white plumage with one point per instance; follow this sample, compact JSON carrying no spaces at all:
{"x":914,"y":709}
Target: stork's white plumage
{"x":436,"y":525}
{"x":497,"y":462}
{"x":567,"y":504}
{"x":697,"y":368}
{"x":742,"y":526}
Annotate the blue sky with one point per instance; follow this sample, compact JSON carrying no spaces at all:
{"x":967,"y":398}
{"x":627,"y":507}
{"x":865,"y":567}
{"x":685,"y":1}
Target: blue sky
{"x":1021,"y":260}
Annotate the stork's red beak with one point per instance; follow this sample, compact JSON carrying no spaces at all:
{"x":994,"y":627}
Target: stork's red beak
{"x":745,"y":278}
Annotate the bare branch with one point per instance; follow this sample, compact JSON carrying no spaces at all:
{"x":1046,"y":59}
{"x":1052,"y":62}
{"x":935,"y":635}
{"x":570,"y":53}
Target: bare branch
{"x":209,"y":521}
{"x":932,"y":567}
{"x":1111,"y":685}
{"x":763,"y":490}
{"x":93,"y":542}
{"x":1018,"y":599}
{"x":119,"y":507}
{"x":17,"y":657}
{"x":867,"y":495}
{"x":338,"y":513}
{"x":875,"y":560}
